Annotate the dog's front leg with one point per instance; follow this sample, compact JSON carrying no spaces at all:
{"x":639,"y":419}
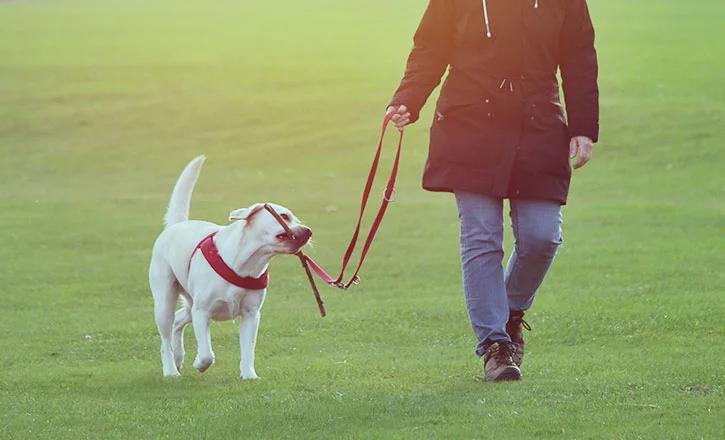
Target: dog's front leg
{"x":247,"y":341}
{"x":205,"y":355}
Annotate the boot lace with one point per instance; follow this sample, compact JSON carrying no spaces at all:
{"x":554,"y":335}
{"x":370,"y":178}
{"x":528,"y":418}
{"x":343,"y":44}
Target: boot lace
{"x":525,"y":324}
{"x":503,"y":353}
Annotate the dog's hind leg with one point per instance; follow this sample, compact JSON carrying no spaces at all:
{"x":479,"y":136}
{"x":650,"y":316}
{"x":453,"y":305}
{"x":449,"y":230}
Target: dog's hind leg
{"x":165,"y":290}
{"x":181,"y":320}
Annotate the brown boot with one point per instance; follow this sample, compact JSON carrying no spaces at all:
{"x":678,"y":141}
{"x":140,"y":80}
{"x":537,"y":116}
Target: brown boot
{"x":515,"y":329}
{"x":497,"y":363}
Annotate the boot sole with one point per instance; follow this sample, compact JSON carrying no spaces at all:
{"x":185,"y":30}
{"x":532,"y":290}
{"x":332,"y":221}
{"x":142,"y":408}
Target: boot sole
{"x":509,"y":374}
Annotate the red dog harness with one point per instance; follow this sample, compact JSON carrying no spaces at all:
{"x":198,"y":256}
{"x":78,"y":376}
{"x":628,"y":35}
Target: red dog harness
{"x":211,"y":255}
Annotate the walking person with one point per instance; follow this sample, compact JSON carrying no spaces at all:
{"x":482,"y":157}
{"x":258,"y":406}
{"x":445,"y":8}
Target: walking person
{"x":498,"y":133}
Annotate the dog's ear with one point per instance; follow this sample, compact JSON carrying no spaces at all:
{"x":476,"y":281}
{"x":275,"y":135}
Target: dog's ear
{"x":238,"y":214}
{"x":245,"y":213}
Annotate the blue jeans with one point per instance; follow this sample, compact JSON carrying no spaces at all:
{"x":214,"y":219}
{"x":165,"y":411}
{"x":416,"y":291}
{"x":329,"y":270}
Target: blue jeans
{"x":490,"y":292}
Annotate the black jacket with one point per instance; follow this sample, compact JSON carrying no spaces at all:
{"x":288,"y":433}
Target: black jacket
{"x":499,"y":128}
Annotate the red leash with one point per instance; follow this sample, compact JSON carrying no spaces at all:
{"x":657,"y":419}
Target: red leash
{"x":387,"y":198}
{"x":308,"y":262}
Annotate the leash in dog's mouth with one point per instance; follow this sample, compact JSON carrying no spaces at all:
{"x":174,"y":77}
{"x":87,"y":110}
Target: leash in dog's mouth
{"x":388,"y":197}
{"x":289,"y":235}
{"x":285,"y":237}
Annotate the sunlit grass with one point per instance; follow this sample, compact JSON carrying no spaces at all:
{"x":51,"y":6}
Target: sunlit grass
{"x":102,"y":103}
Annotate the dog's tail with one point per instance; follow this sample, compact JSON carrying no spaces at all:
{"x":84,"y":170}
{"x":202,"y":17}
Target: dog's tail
{"x":178,"y":210}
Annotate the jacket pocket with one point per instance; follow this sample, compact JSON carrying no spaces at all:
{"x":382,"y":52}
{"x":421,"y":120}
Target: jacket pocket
{"x":464,"y":131}
{"x":454,"y":101}
{"x":549,"y":114}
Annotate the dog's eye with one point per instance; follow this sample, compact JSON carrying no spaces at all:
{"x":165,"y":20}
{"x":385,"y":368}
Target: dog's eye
{"x":285,"y":217}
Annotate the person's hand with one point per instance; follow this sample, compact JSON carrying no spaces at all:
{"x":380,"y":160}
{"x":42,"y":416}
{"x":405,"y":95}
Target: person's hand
{"x":401,"y":116}
{"x":580,"y":147}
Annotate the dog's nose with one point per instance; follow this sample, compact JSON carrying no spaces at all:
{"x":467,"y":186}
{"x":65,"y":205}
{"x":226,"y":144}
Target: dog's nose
{"x":304,"y":233}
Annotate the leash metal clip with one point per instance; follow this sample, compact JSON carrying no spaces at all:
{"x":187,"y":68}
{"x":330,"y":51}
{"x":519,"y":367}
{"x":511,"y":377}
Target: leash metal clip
{"x":393,"y":194}
{"x":342,"y":286}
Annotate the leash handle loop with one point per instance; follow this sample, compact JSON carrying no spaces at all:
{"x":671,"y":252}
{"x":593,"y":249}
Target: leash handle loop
{"x":387,"y":197}
{"x":310,"y":265}
{"x":364,"y":200}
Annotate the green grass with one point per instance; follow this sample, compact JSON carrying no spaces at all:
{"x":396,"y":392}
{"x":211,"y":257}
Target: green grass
{"x":102,"y":103}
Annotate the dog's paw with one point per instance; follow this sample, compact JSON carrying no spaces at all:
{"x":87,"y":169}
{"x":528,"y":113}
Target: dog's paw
{"x":252,"y":376}
{"x":179,"y":361}
{"x":203,"y":364}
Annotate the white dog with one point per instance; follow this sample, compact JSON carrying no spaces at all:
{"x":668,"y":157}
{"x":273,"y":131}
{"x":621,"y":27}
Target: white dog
{"x":220,"y":272}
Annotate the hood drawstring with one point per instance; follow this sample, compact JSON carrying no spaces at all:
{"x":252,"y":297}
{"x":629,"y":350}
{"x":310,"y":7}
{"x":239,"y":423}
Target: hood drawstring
{"x":486,"y":21}
{"x":485,"y":18}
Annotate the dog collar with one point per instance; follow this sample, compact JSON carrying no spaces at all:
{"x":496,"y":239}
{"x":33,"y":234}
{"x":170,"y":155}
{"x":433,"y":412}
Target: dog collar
{"x":211,"y":255}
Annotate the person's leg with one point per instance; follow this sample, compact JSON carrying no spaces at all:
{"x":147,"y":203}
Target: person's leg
{"x":537,"y":230}
{"x":481,"y":258}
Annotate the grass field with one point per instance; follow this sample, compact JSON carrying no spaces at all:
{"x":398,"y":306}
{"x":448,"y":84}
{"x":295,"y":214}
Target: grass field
{"x":102,"y":103}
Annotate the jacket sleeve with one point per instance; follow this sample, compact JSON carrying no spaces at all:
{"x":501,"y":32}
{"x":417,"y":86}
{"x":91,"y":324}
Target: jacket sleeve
{"x":579,"y":71}
{"x":429,"y":58}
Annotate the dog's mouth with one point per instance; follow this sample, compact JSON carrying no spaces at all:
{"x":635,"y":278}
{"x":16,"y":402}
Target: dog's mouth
{"x":285,"y":236}
{"x":296,"y":239}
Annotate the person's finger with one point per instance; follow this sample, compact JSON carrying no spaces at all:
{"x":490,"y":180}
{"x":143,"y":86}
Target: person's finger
{"x":397,"y":109}
{"x":573,"y":148}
